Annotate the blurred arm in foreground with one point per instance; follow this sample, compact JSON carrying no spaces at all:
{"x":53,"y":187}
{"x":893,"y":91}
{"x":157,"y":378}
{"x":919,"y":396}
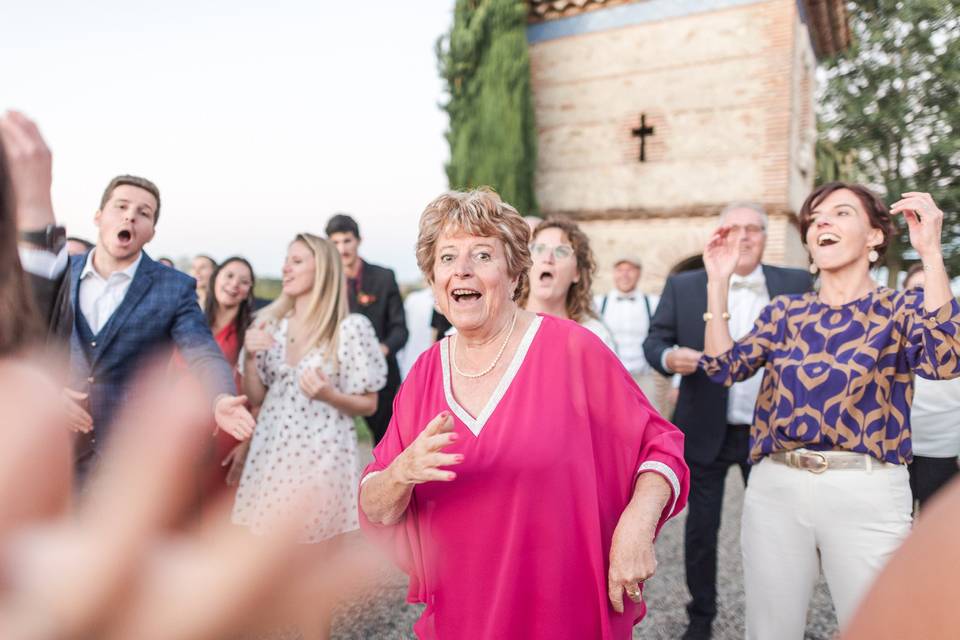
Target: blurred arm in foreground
{"x":916,"y":595}
{"x":26,"y":173}
{"x":123,"y":565}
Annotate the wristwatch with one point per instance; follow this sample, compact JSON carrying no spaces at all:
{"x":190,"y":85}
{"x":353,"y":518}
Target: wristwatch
{"x":51,"y":237}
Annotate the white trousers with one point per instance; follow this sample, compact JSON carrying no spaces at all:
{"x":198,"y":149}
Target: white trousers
{"x":845,"y":522}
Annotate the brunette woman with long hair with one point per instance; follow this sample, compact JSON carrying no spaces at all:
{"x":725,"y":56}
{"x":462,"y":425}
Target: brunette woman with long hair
{"x":561,"y":276}
{"x":229,"y":310}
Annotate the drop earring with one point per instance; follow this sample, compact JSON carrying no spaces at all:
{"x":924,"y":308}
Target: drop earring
{"x":813,"y":268}
{"x":873,"y":256}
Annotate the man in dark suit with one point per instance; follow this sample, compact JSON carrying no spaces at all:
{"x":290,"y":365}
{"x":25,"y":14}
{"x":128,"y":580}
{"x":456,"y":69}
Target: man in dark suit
{"x":714,"y":419}
{"x":124,"y":309}
{"x":373,"y":292}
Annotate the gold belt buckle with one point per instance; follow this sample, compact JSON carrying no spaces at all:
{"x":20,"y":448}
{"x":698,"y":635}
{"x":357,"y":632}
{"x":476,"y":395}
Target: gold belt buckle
{"x":822,"y":463}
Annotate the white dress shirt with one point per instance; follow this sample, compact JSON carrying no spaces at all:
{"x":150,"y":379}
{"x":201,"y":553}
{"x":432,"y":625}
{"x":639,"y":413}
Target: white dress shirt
{"x":418,"y":309}
{"x":626,"y":316}
{"x":747,"y":298}
{"x":43,"y":263}
{"x":99,"y":296}
{"x":934,"y":418}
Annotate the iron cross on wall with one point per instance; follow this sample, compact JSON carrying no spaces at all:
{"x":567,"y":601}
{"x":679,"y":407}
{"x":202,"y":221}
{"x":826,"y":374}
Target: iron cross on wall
{"x":642,"y":132}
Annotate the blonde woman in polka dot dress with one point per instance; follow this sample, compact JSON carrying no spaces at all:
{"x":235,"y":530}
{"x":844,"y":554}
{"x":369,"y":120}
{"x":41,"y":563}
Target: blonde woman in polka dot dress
{"x":311,"y":367}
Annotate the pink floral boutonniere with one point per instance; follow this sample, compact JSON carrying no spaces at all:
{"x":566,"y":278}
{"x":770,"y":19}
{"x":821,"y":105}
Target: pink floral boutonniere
{"x":366,"y":299}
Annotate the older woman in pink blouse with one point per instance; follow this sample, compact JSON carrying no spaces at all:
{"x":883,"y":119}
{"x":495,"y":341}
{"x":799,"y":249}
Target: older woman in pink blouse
{"x":524,"y":476}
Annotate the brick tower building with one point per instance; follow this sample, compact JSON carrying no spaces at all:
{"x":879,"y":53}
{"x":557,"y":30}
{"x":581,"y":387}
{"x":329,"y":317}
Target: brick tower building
{"x":654,"y":114}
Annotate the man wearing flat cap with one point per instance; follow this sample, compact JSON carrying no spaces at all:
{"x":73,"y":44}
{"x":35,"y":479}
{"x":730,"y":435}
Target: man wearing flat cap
{"x":627,"y":312}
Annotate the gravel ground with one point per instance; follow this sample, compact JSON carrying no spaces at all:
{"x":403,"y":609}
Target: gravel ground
{"x":384,"y":614}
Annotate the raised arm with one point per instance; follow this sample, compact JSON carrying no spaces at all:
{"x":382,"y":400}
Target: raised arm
{"x":933,"y":330}
{"x":720,"y":260}
{"x":724,"y":360}
{"x":29,"y":167}
{"x":385,"y":495}
{"x":925,"y":224}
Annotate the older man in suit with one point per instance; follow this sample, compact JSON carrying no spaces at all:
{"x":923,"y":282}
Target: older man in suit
{"x":373,"y":292}
{"x":714,"y":419}
{"x":124,"y":309}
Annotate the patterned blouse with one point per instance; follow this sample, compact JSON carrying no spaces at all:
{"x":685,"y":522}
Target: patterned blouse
{"x":841,"y":376}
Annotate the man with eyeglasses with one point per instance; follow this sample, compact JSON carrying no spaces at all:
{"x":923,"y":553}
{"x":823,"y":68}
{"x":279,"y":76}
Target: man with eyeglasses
{"x":715,"y":420}
{"x":628,"y":311}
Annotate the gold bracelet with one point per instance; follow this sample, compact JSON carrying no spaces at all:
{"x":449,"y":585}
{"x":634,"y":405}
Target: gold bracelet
{"x":708,"y":316}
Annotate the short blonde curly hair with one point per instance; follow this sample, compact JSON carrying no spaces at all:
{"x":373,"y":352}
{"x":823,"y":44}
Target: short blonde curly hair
{"x":479,"y":212}
{"x":579,"y":301}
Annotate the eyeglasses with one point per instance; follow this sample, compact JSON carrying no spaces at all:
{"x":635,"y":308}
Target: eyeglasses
{"x":750,"y":229}
{"x":560,"y":252}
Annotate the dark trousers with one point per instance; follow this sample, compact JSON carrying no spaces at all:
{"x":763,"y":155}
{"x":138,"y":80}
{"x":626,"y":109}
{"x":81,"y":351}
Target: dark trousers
{"x":929,"y":475}
{"x":380,"y":420}
{"x":704,"y":506}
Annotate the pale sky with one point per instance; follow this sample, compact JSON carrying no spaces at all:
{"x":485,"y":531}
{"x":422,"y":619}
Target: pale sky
{"x":257,"y":120}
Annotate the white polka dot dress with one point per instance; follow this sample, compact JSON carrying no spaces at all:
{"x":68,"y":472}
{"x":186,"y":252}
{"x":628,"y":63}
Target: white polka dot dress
{"x":303,"y":454}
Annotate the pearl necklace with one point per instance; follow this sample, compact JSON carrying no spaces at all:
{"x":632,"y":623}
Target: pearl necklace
{"x":493,"y":365}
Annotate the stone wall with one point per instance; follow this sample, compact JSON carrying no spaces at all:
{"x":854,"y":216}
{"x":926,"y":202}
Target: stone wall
{"x":729,"y":92}
{"x":716,"y":86}
{"x":662,"y":243}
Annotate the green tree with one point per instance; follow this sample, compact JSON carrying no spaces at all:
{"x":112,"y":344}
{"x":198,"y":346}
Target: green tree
{"x":486,"y":67}
{"x":890,"y":111}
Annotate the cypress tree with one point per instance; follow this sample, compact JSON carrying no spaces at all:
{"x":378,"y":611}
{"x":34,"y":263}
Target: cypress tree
{"x":486,"y":67}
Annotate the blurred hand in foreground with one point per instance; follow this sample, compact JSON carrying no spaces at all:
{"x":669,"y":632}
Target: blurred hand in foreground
{"x":916,"y":594}
{"x":122,"y":564}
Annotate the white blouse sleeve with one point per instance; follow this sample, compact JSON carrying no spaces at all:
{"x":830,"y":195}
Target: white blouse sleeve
{"x":363,"y":368}
{"x":601,"y":331}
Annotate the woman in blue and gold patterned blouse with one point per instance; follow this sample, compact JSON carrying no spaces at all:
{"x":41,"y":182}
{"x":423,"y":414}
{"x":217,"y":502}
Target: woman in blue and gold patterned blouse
{"x":831,"y":433}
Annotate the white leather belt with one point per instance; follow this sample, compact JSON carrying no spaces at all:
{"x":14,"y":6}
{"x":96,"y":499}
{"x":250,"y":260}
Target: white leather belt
{"x":820,"y":461}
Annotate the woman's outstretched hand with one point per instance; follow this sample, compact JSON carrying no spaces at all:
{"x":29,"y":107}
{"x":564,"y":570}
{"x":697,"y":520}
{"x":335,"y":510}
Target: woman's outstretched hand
{"x":422,"y":460}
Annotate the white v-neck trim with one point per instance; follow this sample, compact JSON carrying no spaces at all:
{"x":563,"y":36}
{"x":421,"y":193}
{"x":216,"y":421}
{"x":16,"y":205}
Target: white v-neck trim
{"x":476,"y":424}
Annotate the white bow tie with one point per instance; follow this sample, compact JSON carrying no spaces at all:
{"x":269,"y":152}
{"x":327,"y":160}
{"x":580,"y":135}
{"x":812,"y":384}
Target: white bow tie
{"x":756,"y":286}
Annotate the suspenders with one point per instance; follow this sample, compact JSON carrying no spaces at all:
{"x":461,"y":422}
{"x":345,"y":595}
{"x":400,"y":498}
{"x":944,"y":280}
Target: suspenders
{"x":646,"y":303}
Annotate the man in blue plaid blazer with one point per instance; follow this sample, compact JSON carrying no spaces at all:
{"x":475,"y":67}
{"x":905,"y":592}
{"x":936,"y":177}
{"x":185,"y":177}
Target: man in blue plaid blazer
{"x":128,"y":309}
